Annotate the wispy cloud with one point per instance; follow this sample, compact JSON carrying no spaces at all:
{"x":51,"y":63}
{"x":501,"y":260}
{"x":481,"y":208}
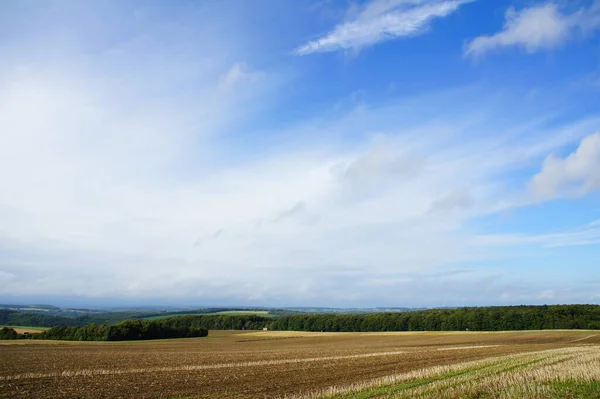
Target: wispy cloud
{"x":580,"y":236}
{"x":536,"y":28}
{"x":237,"y":75}
{"x":382,"y":20}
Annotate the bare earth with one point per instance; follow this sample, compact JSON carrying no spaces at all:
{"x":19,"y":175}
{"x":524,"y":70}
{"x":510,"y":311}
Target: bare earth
{"x":248,"y":364}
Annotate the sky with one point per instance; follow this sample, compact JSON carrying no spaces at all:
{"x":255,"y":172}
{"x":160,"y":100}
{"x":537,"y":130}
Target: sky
{"x":334,"y":153}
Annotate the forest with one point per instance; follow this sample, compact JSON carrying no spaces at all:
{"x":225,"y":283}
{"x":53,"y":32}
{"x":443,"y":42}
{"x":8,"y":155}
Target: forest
{"x":461,"y":319}
{"x":499,"y":318}
{"x":128,"y":330}
{"x":475,"y":319}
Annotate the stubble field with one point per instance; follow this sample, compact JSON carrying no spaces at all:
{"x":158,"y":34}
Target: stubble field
{"x":303,"y":365}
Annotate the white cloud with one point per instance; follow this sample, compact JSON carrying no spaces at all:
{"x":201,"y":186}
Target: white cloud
{"x":382,"y":20}
{"x":576,"y":174}
{"x":537,"y":28}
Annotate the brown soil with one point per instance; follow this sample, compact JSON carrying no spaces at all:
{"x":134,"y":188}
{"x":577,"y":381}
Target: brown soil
{"x":246,"y":365}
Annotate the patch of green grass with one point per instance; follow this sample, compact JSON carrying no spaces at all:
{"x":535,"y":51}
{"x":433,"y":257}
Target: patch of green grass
{"x":400,"y":390}
{"x":165,"y":316}
{"x":243,"y":313}
{"x":396,"y":388}
{"x":263,"y":313}
{"x":576,"y":389}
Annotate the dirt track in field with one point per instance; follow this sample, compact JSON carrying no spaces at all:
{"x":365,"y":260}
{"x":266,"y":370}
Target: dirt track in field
{"x":246,"y":365}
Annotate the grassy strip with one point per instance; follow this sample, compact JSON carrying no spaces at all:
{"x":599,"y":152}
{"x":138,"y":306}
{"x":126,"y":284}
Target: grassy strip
{"x":472,"y":375}
{"x":527,"y":380}
{"x":477,"y":376}
{"x":471,"y":378}
{"x":576,"y":389}
{"x":387,"y":390}
{"x":395,"y":388}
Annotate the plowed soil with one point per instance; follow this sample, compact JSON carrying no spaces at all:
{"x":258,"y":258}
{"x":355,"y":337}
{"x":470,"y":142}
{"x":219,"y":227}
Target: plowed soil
{"x":246,"y":364}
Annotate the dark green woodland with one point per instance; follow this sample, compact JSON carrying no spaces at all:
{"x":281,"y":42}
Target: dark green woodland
{"x":500,"y":318}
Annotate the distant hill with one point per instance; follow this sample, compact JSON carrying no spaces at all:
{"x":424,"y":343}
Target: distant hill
{"x":329,"y":319}
{"x":51,"y":316}
{"x":30,"y":308}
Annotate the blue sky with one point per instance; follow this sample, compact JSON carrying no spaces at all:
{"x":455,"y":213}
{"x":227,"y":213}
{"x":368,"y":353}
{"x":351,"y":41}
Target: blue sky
{"x":286,"y":153}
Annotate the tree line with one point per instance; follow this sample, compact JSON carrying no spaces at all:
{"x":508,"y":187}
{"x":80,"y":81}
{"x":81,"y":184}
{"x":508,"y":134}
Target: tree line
{"x":10,"y":333}
{"x":497,"y":318}
{"x":128,"y":330}
{"x":474,"y":318}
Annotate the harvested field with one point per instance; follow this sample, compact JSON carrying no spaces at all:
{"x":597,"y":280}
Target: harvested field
{"x":25,"y":329}
{"x":274,"y":364}
{"x":551,"y":373}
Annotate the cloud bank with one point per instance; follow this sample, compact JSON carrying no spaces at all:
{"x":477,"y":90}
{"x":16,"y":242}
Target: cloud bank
{"x":152,"y":165}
